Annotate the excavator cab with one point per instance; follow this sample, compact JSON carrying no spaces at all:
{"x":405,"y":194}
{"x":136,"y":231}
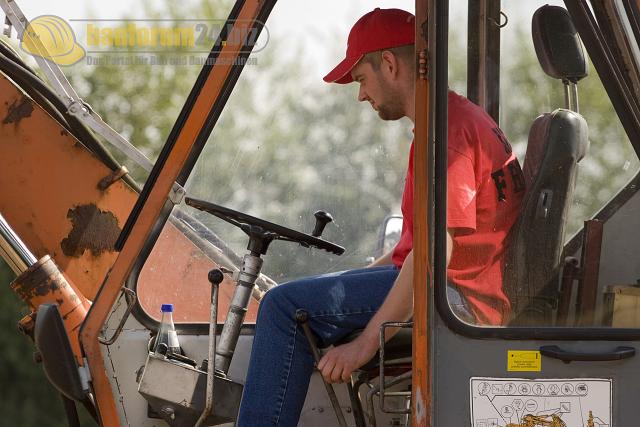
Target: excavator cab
{"x":233,"y":205}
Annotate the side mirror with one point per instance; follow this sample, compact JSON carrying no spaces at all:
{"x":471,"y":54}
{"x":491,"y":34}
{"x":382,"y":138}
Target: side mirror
{"x":54,"y":350}
{"x":389,"y":234}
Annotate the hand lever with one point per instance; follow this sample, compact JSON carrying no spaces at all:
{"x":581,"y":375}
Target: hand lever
{"x":216,"y":277}
{"x":556,"y":352}
{"x":322,"y":219}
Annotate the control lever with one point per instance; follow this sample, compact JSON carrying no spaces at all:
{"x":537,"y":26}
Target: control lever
{"x":215,"y":277}
{"x":322,"y":219}
{"x":302,"y":318}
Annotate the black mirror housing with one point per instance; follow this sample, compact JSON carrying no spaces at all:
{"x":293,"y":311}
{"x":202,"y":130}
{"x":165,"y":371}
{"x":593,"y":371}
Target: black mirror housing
{"x":53,"y":345}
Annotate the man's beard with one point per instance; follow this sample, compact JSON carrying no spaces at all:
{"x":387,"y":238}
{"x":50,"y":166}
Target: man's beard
{"x":392,"y":106}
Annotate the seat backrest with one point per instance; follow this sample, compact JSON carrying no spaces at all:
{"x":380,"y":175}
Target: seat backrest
{"x":558,"y":47}
{"x":557,"y":142}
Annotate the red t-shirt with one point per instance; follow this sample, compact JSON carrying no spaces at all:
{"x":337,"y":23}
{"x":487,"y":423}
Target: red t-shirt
{"x":485,"y":187}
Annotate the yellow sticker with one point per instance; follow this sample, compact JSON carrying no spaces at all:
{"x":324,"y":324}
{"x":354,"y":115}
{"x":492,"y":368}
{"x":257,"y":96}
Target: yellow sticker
{"x":524,"y":361}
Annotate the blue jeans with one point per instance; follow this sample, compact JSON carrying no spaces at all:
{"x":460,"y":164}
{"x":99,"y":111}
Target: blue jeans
{"x":281,"y":362}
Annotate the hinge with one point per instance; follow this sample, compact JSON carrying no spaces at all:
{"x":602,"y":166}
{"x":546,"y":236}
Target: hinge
{"x":85,"y":375}
{"x":177,"y":193}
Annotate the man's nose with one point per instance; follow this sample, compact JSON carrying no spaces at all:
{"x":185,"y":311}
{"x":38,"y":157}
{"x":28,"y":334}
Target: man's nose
{"x":362,"y":95}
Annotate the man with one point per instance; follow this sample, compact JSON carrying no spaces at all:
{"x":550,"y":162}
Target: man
{"x":484,"y":195}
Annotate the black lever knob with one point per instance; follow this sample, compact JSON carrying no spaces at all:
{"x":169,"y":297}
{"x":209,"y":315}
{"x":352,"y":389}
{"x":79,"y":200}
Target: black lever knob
{"x":322,"y":219}
{"x":215,"y":276}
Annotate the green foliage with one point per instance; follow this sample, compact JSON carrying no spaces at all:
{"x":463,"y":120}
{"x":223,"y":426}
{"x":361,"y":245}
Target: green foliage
{"x":142,"y":101}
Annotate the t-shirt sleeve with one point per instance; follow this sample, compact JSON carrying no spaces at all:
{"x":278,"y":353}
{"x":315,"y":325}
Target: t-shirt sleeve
{"x":461,"y":191}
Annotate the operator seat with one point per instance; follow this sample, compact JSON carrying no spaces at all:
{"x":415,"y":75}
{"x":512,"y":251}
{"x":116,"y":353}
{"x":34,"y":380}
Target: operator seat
{"x":557,"y":142}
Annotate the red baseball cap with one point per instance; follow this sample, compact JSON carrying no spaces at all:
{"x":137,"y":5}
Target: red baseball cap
{"x":377,"y":30}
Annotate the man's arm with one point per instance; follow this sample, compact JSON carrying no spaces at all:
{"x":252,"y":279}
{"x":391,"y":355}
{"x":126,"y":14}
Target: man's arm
{"x":339,"y":362}
{"x":383,"y":260}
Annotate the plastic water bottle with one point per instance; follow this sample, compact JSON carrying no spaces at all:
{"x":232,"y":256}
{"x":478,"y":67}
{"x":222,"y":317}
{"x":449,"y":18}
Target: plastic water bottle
{"x":167,"y":332}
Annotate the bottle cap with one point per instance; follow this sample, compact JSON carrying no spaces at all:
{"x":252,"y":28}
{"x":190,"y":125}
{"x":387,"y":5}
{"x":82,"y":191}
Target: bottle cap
{"x":167,"y":308}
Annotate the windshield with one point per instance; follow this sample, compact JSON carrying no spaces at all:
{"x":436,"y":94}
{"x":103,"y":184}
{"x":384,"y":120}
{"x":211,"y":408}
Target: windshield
{"x":287,"y":145}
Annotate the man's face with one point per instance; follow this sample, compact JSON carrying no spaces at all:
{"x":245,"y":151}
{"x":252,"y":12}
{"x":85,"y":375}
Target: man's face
{"x":377,"y":88}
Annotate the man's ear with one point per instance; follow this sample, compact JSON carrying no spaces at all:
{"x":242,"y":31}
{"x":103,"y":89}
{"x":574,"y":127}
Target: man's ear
{"x":389,"y":64}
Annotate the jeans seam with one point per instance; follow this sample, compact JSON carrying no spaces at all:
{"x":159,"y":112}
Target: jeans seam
{"x":340,"y":313}
{"x":288,"y":373}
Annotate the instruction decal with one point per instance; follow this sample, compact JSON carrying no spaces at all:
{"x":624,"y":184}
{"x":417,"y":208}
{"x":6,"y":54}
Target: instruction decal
{"x":519,"y":402}
{"x":524,"y":361}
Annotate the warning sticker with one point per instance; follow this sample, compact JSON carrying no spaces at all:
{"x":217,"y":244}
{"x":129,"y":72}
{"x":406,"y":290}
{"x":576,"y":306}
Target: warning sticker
{"x":524,"y":361}
{"x":509,"y":402}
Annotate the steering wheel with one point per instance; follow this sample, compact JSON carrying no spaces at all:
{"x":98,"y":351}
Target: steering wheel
{"x":267,"y":230}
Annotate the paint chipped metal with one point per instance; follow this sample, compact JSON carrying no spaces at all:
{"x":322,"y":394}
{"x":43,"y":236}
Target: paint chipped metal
{"x":19,"y":110}
{"x":92,"y":230}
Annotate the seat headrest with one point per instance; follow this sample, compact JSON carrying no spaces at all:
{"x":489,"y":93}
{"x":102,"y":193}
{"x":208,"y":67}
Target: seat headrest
{"x":558,"y":47}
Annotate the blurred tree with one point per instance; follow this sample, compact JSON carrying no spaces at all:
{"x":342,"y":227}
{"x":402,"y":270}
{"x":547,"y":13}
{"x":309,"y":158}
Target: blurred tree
{"x":142,"y":101}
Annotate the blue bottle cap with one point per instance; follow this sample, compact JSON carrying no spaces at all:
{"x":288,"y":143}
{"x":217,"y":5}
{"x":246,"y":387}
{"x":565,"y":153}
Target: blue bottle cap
{"x":167,"y":308}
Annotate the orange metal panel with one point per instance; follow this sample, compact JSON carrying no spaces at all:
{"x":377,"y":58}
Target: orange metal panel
{"x":49,"y":193}
{"x":423,"y":274}
{"x":176,"y":272}
{"x":43,"y":283}
{"x":148,"y":216}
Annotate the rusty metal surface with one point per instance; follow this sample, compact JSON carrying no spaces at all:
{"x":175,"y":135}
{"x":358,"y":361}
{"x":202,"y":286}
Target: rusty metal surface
{"x":27,"y":324}
{"x":18,"y":110}
{"x":92,"y":230}
{"x":45,"y":173}
{"x":112,"y":177}
{"x":43,"y":283}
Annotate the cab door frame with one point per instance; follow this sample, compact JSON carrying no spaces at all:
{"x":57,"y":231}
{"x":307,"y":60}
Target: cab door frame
{"x":432,"y":315}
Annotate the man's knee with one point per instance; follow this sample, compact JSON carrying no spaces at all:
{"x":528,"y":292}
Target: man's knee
{"x":275,"y":300}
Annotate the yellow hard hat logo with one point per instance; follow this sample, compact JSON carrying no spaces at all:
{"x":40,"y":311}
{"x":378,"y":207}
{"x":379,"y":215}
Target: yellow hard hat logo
{"x":52,"y":38}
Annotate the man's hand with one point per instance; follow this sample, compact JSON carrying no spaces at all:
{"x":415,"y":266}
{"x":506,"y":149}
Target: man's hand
{"x":338,"y":363}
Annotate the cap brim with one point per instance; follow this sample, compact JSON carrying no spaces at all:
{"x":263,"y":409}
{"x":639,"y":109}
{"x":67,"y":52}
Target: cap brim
{"x":342,"y":72}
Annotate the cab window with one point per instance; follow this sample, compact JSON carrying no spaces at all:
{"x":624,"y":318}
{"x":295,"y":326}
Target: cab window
{"x":287,"y":145}
{"x":578,"y":152}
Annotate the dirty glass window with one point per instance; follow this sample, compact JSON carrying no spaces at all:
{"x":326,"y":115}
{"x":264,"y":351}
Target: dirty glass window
{"x":287,"y":145}
{"x":549,"y":277}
